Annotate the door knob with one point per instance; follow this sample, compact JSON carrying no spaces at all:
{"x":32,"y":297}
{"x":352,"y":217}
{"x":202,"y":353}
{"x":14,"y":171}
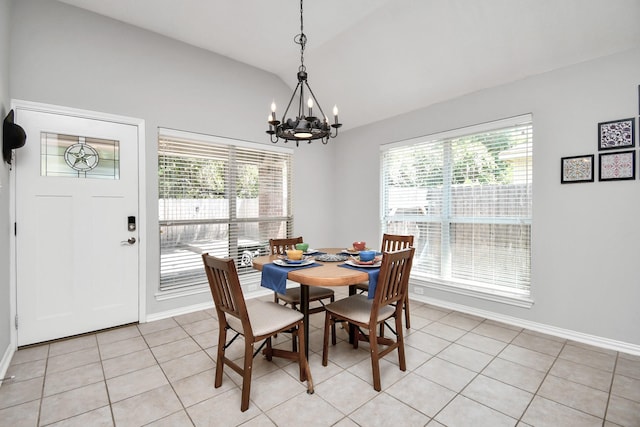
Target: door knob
{"x":129,"y":241}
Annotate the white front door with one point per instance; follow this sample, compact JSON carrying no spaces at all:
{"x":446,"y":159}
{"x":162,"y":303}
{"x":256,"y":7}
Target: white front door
{"x":76,"y":200}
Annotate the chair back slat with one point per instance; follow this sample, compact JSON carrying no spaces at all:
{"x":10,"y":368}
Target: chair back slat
{"x":393,"y":281}
{"x":396,"y":242}
{"x":279,"y":246}
{"x":226,"y":290}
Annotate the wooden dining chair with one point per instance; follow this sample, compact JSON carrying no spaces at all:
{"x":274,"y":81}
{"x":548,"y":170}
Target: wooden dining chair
{"x":257,"y":322}
{"x":394,"y":242}
{"x":365,"y":313}
{"x":292,"y":296}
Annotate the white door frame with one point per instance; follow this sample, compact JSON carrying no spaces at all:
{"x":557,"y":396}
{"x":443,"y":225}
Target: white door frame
{"x":142,"y":213}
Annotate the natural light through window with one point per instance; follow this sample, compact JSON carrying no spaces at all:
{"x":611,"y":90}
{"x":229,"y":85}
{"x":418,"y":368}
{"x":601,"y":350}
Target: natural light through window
{"x":466,"y":196}
{"x":221,"y":196}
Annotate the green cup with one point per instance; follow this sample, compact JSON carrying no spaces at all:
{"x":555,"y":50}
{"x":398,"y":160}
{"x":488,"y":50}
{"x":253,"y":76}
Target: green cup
{"x":302,"y":247}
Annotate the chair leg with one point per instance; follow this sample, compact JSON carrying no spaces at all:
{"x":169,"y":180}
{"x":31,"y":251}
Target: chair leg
{"x":375,"y":358}
{"x":407,"y":317}
{"x":400,"y":340}
{"x":246,"y":375}
{"x":301,"y":358}
{"x":333,"y":326}
{"x":268,"y":352}
{"x":222,"y":339}
{"x":325,"y":340}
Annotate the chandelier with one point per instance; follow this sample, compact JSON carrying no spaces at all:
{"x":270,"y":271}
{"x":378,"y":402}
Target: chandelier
{"x":305,"y":127}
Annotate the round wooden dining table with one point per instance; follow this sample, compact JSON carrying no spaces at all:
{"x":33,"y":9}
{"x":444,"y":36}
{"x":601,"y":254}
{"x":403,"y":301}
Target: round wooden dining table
{"x":327,"y":274}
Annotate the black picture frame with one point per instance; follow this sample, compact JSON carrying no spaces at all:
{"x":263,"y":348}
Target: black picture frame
{"x":617,"y":166}
{"x":576,"y":169}
{"x":617,"y":134}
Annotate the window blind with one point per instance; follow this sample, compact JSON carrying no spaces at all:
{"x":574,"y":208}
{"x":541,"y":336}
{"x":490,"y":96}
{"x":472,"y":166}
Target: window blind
{"x":220,"y":196}
{"x":466,"y":196}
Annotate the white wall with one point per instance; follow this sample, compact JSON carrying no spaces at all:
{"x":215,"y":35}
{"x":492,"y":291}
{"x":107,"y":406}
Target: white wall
{"x":585,"y":237}
{"x":5,"y":228}
{"x":66,"y":56}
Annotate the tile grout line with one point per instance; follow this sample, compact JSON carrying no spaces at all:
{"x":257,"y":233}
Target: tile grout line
{"x":457,"y":393}
{"x":346,"y":417}
{"x":44,"y":379}
{"x":482,"y":370}
{"x":165,"y":375}
{"x":613,"y":377}
{"x":104,"y":379}
{"x":546,"y":374}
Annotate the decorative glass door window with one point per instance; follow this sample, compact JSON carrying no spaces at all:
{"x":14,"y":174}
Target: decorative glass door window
{"x":79,"y":156}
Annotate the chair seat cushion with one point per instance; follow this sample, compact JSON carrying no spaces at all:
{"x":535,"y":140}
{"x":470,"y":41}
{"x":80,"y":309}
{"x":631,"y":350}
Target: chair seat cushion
{"x":266,"y":318}
{"x":358,"y":308}
{"x":315,"y":293}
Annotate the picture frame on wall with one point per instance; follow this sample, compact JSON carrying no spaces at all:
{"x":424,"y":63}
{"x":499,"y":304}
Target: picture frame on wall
{"x":617,"y":166}
{"x":576,"y":169}
{"x":617,"y":134}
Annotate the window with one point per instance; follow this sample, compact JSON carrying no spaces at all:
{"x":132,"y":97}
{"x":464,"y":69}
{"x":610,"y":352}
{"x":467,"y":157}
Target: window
{"x":73,"y":156}
{"x":466,"y":197}
{"x":221,"y":196}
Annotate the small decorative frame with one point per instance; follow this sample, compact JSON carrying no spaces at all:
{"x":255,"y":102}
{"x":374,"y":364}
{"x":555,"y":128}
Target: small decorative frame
{"x":617,"y":166}
{"x":576,"y":169}
{"x":617,"y":134}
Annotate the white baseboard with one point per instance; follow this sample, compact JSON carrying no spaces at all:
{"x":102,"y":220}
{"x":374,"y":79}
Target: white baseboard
{"x":6,"y":361}
{"x":203,"y":306}
{"x":538,"y":327}
{"x":179,"y":311}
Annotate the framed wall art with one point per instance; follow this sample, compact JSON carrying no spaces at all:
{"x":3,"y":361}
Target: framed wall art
{"x":617,"y":166}
{"x":617,"y":134}
{"x":576,"y":169}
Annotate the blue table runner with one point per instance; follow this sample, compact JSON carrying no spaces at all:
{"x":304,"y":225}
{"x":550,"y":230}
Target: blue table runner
{"x":373,"y":277}
{"x":274,"y":276}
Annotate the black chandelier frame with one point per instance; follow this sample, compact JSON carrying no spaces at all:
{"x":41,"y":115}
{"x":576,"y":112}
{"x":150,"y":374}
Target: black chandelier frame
{"x":305,"y":127}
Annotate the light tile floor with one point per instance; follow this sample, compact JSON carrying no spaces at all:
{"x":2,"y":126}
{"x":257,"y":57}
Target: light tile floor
{"x":462,"y":371}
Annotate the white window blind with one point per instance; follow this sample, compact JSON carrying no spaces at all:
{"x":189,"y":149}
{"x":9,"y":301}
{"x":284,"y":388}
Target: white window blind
{"x":220,"y":196}
{"x":466,"y":196}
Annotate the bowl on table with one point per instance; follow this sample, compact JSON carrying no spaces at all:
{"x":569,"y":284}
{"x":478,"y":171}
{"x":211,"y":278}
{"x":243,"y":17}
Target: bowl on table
{"x":302,"y":247}
{"x":294,"y":254}
{"x":367,"y":255}
{"x":359,"y":246}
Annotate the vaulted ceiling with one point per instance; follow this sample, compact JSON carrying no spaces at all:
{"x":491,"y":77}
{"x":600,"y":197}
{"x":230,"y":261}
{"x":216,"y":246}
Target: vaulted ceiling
{"x":380,"y":58}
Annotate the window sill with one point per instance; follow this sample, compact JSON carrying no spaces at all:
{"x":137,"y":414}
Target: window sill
{"x":514,"y":299}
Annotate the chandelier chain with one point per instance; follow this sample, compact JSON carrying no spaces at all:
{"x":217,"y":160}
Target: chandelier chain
{"x":301,"y":39}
